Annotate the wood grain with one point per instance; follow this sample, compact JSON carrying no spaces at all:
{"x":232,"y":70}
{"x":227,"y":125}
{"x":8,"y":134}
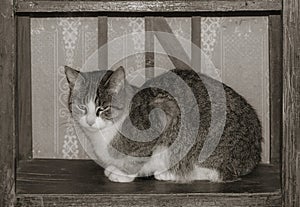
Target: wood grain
{"x":24,"y":88}
{"x":196,"y":40}
{"x":147,"y":5}
{"x":86,"y":177}
{"x":149,"y":48}
{"x":170,"y":43}
{"x":298,"y":180}
{"x":82,"y":183}
{"x":291,"y":101}
{"x":7,"y":103}
{"x":175,"y":200}
{"x":102,"y":43}
{"x":275,"y":58}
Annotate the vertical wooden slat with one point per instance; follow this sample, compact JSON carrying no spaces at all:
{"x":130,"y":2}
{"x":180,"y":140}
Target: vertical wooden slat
{"x":24,"y":88}
{"x":275,"y":63}
{"x":102,"y":43}
{"x":291,"y":101}
{"x":171,"y":44}
{"x":196,"y":40}
{"x":7,"y":103}
{"x":149,"y":48}
{"x":298,"y":180}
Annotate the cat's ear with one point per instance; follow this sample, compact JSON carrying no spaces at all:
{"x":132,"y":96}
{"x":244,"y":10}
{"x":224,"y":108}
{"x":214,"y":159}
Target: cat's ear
{"x":71,"y":75}
{"x":116,"y":81}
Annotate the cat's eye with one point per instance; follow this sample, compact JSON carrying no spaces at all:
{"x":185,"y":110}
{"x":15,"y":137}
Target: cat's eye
{"x":101,"y":109}
{"x":82,"y":108}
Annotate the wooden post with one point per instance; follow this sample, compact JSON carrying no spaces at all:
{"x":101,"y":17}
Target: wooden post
{"x":171,"y":44}
{"x":291,"y":103}
{"x":275,"y":57}
{"x":102,"y":43}
{"x":149,"y":47}
{"x":7,"y":103}
{"x":24,"y":111}
{"x":196,"y":40}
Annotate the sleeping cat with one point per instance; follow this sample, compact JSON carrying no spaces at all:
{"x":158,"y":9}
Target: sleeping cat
{"x":104,"y":104}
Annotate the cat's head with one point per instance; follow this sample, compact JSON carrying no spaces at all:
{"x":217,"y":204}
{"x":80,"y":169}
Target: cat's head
{"x":97,"y":99}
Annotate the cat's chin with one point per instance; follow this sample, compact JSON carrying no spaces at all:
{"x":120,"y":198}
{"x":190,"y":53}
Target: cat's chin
{"x":91,"y":129}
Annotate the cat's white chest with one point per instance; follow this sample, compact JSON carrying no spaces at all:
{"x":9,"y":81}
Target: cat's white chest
{"x":100,"y":141}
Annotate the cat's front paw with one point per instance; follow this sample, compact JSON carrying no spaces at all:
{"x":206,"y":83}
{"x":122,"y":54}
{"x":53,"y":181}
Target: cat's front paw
{"x":120,"y":178}
{"x":109,"y":170}
{"x":116,"y":175}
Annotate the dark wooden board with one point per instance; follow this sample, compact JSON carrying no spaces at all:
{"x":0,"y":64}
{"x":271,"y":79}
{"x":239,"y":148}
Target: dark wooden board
{"x":82,"y":183}
{"x":196,"y":40}
{"x":7,"y":103}
{"x":275,"y":58}
{"x":147,"y":5}
{"x":174,"y":200}
{"x":85,"y":176}
{"x":170,"y":43}
{"x":102,"y":43}
{"x":149,"y":48}
{"x":298,"y":179}
{"x":291,"y":102}
{"x":24,"y":88}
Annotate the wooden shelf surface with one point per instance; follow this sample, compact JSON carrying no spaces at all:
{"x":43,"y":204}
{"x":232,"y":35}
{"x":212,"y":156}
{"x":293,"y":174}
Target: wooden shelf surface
{"x":81,"y":181}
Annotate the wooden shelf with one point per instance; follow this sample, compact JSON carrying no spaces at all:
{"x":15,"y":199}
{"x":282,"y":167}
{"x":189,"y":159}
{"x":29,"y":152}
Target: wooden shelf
{"x":147,"y":5}
{"x":81,"y":182}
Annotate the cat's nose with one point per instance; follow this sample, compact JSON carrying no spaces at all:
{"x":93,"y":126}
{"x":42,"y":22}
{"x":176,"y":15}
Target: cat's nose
{"x":90,"y":121}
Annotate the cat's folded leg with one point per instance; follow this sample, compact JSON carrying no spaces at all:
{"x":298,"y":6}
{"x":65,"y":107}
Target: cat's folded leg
{"x":201,"y":173}
{"x":165,"y":176}
{"x":116,"y":175}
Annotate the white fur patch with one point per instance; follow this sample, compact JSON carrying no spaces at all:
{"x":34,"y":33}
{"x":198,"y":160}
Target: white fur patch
{"x":165,"y":176}
{"x":200,"y":173}
{"x":116,"y":175}
{"x":158,"y":163}
{"x":101,"y":138}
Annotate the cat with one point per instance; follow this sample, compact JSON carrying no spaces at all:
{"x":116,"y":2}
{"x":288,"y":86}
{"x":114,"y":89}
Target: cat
{"x":103,"y":104}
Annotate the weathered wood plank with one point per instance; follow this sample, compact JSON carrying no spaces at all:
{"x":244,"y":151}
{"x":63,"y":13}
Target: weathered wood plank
{"x":151,"y":200}
{"x":82,"y":183}
{"x":86,"y":177}
{"x":147,"y":5}
{"x":24,"y":89}
{"x":149,"y":48}
{"x":196,"y":40}
{"x":7,"y":102}
{"x":275,"y":57}
{"x":291,"y":100}
{"x":102,"y":43}
{"x":170,"y":43}
{"x":298,"y":180}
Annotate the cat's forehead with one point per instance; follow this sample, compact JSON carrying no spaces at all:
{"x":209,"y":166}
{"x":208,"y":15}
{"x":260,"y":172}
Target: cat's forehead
{"x":94,"y":76}
{"x":92,"y":79}
{"x":90,"y":85}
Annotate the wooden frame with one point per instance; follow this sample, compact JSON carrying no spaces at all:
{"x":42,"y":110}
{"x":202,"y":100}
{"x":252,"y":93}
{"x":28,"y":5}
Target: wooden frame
{"x":29,"y":183}
{"x":275,"y":45}
{"x":7,"y":103}
{"x":291,"y":103}
{"x":148,"y":6}
{"x":24,"y":143}
{"x":290,"y":92}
